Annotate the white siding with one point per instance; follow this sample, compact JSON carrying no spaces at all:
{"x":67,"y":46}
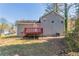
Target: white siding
{"x":50,"y":28}
{"x":20,"y":27}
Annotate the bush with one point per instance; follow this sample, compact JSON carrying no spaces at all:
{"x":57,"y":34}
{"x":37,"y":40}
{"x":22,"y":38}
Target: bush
{"x":72,"y":45}
{"x":72,"y":39}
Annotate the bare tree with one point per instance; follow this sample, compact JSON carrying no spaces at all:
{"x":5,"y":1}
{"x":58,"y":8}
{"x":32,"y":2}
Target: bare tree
{"x":77,"y":10}
{"x":52,"y":7}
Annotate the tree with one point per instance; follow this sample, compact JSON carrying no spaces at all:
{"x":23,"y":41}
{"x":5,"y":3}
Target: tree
{"x":3,"y":25}
{"x":66,"y":16}
{"x":77,"y":10}
{"x":67,"y":8}
{"x":52,"y":7}
{"x":72,"y":39}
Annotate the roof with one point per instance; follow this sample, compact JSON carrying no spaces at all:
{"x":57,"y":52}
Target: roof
{"x":50,"y":13}
{"x":26,"y":21}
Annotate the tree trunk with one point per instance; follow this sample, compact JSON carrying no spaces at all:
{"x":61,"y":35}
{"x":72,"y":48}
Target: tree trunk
{"x":66,"y":17}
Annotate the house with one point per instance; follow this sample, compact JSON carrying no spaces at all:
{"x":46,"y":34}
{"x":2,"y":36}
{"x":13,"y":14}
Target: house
{"x":52,"y":24}
{"x":22,"y":24}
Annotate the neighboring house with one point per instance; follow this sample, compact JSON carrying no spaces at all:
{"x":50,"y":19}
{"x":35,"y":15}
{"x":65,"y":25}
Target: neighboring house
{"x":52,"y":24}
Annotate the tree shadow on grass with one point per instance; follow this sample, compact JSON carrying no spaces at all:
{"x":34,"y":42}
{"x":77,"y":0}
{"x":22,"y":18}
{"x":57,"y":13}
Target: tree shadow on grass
{"x":49,"y":48}
{"x":38,"y":49}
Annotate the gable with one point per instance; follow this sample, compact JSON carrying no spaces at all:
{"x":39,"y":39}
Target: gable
{"x":52,"y":13}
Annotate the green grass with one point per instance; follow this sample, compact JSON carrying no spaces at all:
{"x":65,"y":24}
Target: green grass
{"x":11,"y":35}
{"x":13,"y":46}
{"x":37,"y":49}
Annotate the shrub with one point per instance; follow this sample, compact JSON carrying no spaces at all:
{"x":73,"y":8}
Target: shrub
{"x":72,"y":39}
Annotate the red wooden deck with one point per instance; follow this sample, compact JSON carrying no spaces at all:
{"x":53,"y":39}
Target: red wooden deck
{"x":33,"y":31}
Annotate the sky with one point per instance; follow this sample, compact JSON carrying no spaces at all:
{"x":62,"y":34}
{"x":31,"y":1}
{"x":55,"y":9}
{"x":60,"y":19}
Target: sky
{"x":27,"y":11}
{"x":18,"y":11}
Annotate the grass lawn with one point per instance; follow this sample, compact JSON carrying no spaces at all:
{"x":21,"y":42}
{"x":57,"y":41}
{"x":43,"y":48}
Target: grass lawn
{"x":26,"y":49}
{"x":14,"y":46}
{"x":23,"y":48}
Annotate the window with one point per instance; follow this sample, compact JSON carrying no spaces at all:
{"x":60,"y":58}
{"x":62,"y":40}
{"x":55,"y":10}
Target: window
{"x":61,"y":21}
{"x":44,"y":20}
{"x":52,"y":21}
